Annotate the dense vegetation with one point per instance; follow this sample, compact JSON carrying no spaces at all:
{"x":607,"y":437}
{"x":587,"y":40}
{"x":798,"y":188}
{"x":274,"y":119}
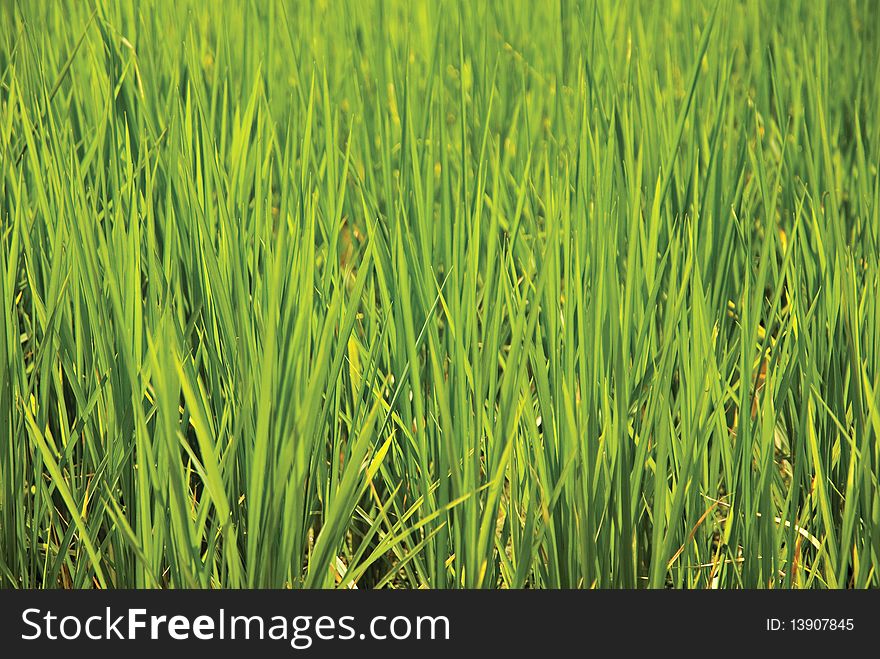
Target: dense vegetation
{"x":439,"y":294}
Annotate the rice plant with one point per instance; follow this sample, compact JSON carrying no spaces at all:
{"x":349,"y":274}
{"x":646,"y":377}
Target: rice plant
{"x":411,"y":294}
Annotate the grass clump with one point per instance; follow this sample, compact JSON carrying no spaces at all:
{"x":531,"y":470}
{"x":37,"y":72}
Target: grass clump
{"x":439,"y":294}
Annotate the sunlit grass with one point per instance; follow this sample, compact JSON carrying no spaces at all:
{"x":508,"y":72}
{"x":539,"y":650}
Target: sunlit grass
{"x":439,"y":294}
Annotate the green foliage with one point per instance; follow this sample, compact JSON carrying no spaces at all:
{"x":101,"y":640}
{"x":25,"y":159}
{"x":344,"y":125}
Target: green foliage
{"x":439,"y":294}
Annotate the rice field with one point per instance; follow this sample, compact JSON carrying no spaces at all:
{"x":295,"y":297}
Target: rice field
{"x":410,"y":294}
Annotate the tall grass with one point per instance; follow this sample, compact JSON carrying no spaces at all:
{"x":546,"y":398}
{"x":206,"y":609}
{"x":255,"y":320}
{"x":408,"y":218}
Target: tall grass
{"x":439,"y":294}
